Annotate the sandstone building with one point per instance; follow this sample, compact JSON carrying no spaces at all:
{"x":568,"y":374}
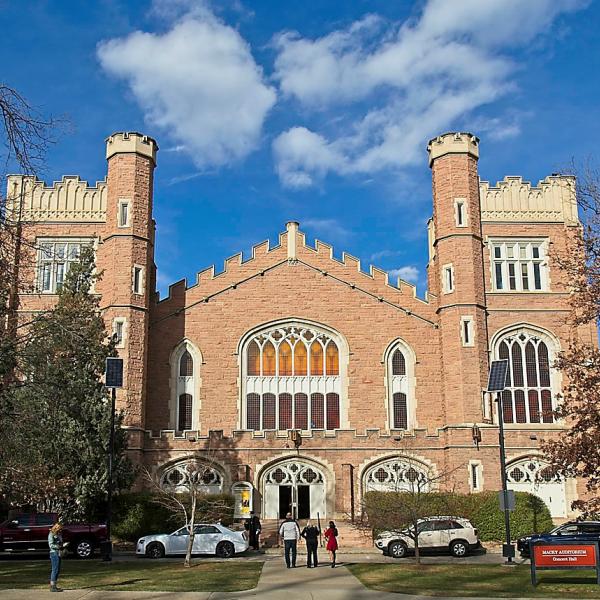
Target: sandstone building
{"x":384,"y":386}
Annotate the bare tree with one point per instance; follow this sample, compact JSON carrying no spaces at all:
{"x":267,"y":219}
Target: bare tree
{"x":187,"y":498}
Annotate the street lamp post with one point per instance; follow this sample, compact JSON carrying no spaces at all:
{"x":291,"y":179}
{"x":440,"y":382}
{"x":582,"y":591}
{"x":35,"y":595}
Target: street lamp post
{"x":113,"y":380}
{"x":497,"y":383}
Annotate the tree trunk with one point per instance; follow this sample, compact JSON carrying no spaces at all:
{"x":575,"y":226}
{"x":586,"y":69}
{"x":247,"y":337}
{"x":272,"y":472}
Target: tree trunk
{"x":192,"y":529}
{"x":417,"y":551}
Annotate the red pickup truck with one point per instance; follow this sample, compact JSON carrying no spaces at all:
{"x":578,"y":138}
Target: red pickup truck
{"x":28,"y":532}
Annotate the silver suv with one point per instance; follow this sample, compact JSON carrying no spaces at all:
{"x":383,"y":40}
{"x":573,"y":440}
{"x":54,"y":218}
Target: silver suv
{"x":454,"y":534}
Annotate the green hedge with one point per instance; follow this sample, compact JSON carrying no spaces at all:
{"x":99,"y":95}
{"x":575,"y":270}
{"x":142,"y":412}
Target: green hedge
{"x":137,"y":514}
{"x":531,"y":515}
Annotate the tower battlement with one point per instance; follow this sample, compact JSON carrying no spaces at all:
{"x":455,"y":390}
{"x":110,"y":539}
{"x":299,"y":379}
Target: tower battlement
{"x":455,"y":142}
{"x":131,"y":142}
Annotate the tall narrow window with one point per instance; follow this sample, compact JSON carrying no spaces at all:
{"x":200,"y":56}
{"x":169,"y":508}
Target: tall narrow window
{"x":301,"y":411}
{"x":460,"y":213}
{"x":138,"y":280}
{"x":185,"y":412}
{"x":269,"y":410}
{"x":123,"y":213}
{"x":253,"y":359}
{"x":332,"y":359}
{"x":399,"y":363}
{"x":285,"y":359}
{"x":466,"y":331}
{"x":316,"y":358}
{"x":285,"y":411}
{"x":119,"y":332}
{"x":186,"y":365}
{"x":400,"y":417}
{"x":253,"y":411}
{"x":448,"y":279}
{"x":317,"y":402}
{"x":300,"y":359}
{"x":184,"y":396}
{"x":333,"y":411}
{"x":268,"y":359}
{"x":528,"y":395}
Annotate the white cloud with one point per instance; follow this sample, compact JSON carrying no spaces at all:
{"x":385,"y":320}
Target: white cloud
{"x":417,"y":78}
{"x":197,"y":81}
{"x":408,"y":273}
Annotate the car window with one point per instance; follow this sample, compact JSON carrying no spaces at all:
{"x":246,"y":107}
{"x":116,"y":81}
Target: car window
{"x":426,"y":526}
{"x":567,"y":530}
{"x":44,"y":519}
{"x":590,"y":528}
{"x":182,"y":531}
{"x":455,"y":525}
{"x":205,"y":529}
{"x":441,"y":525}
{"x":23,"y":520}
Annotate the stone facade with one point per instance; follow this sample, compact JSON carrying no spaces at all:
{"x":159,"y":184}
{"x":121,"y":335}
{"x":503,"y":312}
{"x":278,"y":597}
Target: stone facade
{"x":190,"y":385}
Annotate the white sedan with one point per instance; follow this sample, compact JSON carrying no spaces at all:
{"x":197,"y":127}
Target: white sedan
{"x":208,"y":539}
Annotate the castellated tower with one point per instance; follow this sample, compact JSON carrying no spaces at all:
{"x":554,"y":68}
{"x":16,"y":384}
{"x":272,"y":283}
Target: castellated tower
{"x":127,"y":257}
{"x":456,"y":273}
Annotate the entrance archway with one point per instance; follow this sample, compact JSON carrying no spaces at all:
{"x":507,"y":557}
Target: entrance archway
{"x":294,"y":486}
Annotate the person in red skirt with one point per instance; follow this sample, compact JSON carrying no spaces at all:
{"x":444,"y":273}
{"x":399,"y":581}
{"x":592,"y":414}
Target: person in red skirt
{"x":331,"y":534}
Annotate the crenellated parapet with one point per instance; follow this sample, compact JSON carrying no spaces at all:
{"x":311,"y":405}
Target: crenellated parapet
{"x":553,"y":200}
{"x":70,"y":200}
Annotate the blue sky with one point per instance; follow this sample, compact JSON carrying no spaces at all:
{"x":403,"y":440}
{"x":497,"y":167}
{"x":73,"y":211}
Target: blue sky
{"x":317,"y":111}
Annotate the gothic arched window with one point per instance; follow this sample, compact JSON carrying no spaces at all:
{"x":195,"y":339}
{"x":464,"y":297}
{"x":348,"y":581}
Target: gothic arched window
{"x":291,"y":378}
{"x":400,"y":362}
{"x":185,"y":361}
{"x":528,"y":396}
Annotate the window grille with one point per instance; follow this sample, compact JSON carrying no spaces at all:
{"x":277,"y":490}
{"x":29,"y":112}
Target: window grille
{"x":186,"y":365}
{"x":285,"y":411}
{"x":253,"y":411}
{"x":269,"y":410}
{"x":519,"y":266}
{"x":528,"y":396}
{"x":300,"y":411}
{"x":333,"y":411}
{"x":317,"y":402}
{"x":185,"y":412}
{"x":400,"y":420}
{"x":398,"y":363}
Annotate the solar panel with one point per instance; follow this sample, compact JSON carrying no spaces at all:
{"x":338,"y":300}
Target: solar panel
{"x":114,"y":372}
{"x":497,"y":378}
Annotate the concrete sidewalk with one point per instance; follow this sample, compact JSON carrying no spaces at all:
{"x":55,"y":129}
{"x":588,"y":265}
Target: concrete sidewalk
{"x":276,"y":583}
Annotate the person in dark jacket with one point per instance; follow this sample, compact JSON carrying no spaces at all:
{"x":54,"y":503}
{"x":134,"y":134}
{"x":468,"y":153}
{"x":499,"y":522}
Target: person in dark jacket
{"x":311,"y":534}
{"x":253,"y":527}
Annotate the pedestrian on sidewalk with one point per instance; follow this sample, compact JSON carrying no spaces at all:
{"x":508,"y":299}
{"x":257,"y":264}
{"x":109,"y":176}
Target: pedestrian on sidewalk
{"x":253,"y":527}
{"x":290,"y":533}
{"x":311,"y":534}
{"x":55,"y":543}
{"x":331,"y":534}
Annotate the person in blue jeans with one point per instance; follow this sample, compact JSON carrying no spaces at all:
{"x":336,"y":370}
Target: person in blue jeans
{"x":290,"y":532}
{"x":55,"y":543}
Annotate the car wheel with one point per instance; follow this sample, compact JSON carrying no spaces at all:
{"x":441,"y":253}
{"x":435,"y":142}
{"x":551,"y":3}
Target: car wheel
{"x":155,"y":550}
{"x":397,"y":549}
{"x":225,"y":550}
{"x":459,"y":548}
{"x":84,"y":548}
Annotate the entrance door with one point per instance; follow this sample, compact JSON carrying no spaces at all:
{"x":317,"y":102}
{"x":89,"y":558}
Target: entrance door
{"x":303,"y":502}
{"x":285,"y":500}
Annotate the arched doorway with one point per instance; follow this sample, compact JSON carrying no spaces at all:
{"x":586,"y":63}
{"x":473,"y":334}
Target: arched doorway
{"x":294,"y":486}
{"x":539,"y":478}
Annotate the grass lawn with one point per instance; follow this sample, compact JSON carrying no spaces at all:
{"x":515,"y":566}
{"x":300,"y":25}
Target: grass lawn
{"x":140,"y":575}
{"x":476,"y":580}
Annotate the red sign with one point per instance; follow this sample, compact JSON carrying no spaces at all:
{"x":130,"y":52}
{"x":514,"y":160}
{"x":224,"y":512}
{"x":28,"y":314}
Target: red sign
{"x":564,"y":556}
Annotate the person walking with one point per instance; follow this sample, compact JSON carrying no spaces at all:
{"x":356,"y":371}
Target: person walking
{"x":55,"y":543}
{"x":290,"y":533}
{"x":254,"y":531}
{"x":311,"y":534}
{"x":331,"y":534}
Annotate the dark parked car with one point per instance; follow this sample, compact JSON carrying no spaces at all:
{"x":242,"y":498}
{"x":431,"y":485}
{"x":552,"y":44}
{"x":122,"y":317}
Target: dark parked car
{"x":28,"y":532}
{"x":580,"y":530}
